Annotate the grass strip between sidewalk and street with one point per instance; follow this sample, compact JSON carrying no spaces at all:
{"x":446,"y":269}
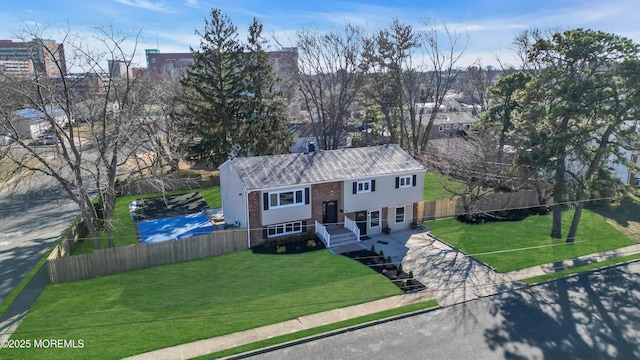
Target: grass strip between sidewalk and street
{"x":580,"y":269}
{"x":324,"y":329}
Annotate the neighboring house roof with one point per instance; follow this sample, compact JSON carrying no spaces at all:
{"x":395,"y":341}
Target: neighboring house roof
{"x":458,"y":117}
{"x":35,"y":114}
{"x":265,"y":172}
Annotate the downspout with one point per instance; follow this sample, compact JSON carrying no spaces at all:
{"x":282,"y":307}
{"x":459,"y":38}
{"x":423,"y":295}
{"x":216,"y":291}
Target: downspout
{"x":246,"y":209}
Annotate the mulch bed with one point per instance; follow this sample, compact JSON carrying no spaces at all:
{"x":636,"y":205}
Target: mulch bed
{"x":378,"y":263}
{"x":169,"y":206}
{"x":506,"y":215}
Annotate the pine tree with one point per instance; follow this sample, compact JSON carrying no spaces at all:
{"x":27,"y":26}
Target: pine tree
{"x":230,"y":95}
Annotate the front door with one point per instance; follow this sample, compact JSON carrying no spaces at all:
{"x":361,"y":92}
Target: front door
{"x":330,"y":212}
{"x":361,"y":221}
{"x":374,"y":222}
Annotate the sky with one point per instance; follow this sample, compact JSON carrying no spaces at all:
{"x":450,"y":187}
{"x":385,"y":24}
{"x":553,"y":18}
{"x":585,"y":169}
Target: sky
{"x":170,"y":25}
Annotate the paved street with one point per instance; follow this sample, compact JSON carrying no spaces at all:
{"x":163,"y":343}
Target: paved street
{"x":592,"y":316}
{"x":32,"y":215}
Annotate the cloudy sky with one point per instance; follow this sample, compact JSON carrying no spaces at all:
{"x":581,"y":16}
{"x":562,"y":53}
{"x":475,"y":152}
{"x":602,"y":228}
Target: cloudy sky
{"x":490,"y":24}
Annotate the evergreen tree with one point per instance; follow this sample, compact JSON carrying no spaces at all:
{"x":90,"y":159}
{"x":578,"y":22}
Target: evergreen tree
{"x":230,"y":95}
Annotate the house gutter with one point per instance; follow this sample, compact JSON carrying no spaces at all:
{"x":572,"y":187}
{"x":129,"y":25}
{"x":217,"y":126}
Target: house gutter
{"x":246,"y":209}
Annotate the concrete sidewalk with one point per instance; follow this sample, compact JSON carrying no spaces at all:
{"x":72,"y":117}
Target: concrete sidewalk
{"x":451,"y":278}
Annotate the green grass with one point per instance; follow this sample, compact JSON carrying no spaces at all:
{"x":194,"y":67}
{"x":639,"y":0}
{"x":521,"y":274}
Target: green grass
{"x":324,"y":329}
{"x":433,"y":186}
{"x":124,"y":228}
{"x":508,"y":238}
{"x":135,"y":312}
{"x":580,"y":269}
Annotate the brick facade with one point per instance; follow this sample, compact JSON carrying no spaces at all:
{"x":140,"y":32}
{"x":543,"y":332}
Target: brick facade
{"x":254,"y":219}
{"x":321,"y":193}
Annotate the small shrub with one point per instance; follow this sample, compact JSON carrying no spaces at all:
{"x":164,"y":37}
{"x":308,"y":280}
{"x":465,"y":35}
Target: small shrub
{"x":399,"y":268}
{"x":373,"y":248}
{"x":281,"y":249}
{"x":382,"y":253}
{"x":311,"y":243}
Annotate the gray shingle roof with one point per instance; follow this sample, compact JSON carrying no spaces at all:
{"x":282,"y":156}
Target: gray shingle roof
{"x":266,"y":172}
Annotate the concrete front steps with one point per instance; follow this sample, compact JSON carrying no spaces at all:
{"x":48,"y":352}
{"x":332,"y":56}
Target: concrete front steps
{"x":341,"y":237}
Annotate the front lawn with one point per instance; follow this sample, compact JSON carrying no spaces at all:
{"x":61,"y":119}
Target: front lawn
{"x":514,"y":245}
{"x":131,"y":313}
{"x":124,"y":227}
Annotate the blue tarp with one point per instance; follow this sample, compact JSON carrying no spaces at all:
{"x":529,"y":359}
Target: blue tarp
{"x":177,"y":227}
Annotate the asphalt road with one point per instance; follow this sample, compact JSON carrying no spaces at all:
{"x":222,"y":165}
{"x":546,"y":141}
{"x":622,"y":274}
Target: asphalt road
{"x":33,"y":214}
{"x":591,"y":316}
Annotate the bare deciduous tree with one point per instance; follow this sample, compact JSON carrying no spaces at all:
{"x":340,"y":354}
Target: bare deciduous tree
{"x":329,"y":77}
{"x":95,"y":114}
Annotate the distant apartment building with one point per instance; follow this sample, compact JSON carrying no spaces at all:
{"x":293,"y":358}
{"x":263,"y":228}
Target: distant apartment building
{"x":284,"y":62}
{"x":119,"y":68}
{"x":39,"y":55}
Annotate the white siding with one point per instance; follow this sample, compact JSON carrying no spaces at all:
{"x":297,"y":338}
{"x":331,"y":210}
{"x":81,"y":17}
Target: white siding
{"x":408,"y":216}
{"x":285,"y":214}
{"x":385,"y":195}
{"x":234,"y":204}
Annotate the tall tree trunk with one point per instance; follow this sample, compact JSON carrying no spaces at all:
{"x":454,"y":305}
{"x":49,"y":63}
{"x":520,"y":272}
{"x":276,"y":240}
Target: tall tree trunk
{"x":574,"y":223}
{"x":558,"y":198}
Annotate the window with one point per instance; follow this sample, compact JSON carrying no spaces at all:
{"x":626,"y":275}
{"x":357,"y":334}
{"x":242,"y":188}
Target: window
{"x":284,"y":229}
{"x":364,"y":186}
{"x":399,"y":215}
{"x":360,"y":187}
{"x":286,"y":198}
{"x":447,"y":127}
{"x":441,"y":128}
{"x":405,"y":181}
{"x":455,"y":126}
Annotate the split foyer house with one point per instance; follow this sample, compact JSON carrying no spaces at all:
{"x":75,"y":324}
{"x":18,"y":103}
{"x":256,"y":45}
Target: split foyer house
{"x":338,"y":195}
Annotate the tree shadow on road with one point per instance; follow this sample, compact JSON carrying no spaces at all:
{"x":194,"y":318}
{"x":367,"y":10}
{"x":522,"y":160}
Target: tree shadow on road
{"x":590,"y":316}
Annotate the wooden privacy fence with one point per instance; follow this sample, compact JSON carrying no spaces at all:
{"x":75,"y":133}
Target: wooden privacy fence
{"x":150,"y":186}
{"x":444,"y":208}
{"x":135,"y":257}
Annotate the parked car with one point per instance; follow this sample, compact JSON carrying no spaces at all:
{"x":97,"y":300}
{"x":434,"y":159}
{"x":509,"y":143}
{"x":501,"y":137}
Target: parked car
{"x":45,"y":140}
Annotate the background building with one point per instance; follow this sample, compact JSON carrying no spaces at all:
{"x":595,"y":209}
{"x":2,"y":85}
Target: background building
{"x":24,"y":58}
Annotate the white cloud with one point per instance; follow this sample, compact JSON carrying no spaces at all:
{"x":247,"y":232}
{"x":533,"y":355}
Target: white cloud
{"x":147,"y":5}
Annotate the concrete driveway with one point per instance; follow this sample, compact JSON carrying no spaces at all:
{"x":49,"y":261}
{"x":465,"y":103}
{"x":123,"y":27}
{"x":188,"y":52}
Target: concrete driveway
{"x":449,"y":275}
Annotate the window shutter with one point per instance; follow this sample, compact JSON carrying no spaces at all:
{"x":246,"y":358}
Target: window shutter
{"x":264,"y":233}
{"x":397,"y":182}
{"x":413,"y":180}
{"x":265,"y":201}
{"x":355,"y":187}
{"x":373,"y":185}
{"x":304,"y":226}
{"x":306,"y":196}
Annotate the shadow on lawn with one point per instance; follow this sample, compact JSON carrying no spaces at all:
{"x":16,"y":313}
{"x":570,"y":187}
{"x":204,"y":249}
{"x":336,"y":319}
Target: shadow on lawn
{"x":620,"y":214}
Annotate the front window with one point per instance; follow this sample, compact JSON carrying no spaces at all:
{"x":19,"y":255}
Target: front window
{"x":286,"y":198}
{"x":399,"y":215}
{"x":364,"y":186}
{"x":405,"y":181}
{"x":284,"y":229}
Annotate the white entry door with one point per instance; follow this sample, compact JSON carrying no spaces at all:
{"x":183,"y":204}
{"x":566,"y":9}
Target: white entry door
{"x":374,"y":222}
